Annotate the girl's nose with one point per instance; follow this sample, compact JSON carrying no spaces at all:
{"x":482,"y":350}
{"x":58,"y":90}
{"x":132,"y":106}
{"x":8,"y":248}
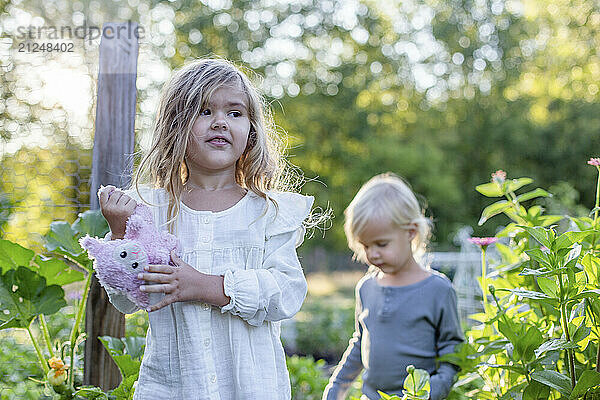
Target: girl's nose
{"x":219,"y":124}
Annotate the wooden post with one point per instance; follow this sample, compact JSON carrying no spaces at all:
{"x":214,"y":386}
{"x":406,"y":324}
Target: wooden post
{"x":111,"y":165}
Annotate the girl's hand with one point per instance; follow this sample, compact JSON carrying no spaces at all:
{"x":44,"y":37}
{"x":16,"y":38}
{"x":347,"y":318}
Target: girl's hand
{"x":182,"y":283}
{"x":116,"y":207}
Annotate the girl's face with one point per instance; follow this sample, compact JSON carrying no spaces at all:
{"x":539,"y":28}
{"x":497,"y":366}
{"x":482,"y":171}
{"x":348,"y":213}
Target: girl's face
{"x":220,"y":133}
{"x":388,"y":247}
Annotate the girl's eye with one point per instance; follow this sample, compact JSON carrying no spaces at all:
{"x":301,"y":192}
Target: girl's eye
{"x":236,"y":113}
{"x":382,"y":244}
{"x":205,"y":112}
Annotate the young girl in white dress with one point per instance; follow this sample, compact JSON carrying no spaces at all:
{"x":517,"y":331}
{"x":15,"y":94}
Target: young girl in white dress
{"x":215,"y":170}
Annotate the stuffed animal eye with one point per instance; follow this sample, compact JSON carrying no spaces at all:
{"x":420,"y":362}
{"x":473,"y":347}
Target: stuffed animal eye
{"x":134,"y":265}
{"x":123,"y":254}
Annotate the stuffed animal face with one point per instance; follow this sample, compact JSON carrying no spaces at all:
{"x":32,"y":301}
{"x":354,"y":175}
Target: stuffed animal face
{"x":130,"y":256}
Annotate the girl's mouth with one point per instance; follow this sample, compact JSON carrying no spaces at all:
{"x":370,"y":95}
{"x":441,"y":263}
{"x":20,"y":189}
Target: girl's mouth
{"x":219,"y":142}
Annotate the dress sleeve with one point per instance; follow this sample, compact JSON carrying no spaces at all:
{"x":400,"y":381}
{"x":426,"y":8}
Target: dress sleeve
{"x":277,"y":290}
{"x":350,"y":365}
{"x":450,"y":334}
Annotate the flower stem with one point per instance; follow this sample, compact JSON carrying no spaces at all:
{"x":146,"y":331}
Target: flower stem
{"x":483,"y":278}
{"x":46,"y":335}
{"x":38,"y":350}
{"x":565,"y":326}
{"x":76,"y":326}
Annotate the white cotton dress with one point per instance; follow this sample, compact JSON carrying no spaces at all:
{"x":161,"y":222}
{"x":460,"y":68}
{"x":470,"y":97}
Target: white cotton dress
{"x":196,"y":351}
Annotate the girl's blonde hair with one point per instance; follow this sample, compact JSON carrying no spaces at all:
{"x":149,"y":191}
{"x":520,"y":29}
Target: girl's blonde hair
{"x":386,"y":197}
{"x":261,"y":166}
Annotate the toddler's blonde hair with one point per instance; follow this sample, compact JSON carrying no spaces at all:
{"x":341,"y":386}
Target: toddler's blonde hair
{"x":260,"y":168}
{"x":386,"y":197}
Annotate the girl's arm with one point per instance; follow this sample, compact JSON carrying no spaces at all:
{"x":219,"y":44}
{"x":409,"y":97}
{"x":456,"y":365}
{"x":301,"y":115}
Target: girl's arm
{"x":350,"y":365}
{"x":274,"y":292}
{"x":450,"y":334}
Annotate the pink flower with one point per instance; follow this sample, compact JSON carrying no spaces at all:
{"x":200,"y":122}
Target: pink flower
{"x":483,"y":241}
{"x":499,"y":176}
{"x":594,"y":161}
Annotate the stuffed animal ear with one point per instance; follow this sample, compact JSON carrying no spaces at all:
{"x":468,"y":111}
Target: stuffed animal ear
{"x":92,"y":245}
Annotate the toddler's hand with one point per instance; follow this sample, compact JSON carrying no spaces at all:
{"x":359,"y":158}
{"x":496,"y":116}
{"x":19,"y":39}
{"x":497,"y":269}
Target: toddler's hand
{"x":182,"y":283}
{"x":116,"y":207}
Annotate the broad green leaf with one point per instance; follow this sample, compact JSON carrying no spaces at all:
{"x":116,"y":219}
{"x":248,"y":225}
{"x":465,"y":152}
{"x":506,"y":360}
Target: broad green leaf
{"x":567,"y":239}
{"x":56,"y":271}
{"x":12,"y":255}
{"x":539,"y":192}
{"x":494,"y":209}
{"x":117,"y":348}
{"x":125,"y":390}
{"x":134,"y":346}
{"x":554,"y":344}
{"x":536,"y":391}
{"x":538,"y":233}
{"x":90,"y":393}
{"x":553,"y":379}
{"x":588,"y":379}
{"x":489,"y":189}
{"x":62,"y":236}
{"x":91,"y":223}
{"x":24,"y":295}
{"x":513,"y":185}
{"x":548,"y":286}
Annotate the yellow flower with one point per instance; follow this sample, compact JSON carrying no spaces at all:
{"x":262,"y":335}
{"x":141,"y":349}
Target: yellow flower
{"x":56,"y":363}
{"x":58,"y":374}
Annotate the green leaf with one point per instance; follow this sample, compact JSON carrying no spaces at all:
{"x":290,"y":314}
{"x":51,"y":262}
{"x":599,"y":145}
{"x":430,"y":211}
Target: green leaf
{"x":536,"y":391}
{"x":539,"y":256}
{"x":91,"y":223}
{"x":538,"y":233}
{"x":554,"y":380}
{"x":513,"y":185}
{"x":548,"y":286}
{"x":539,"y":192}
{"x":554,"y":344}
{"x":90,"y":393}
{"x":62,"y":236}
{"x":587,"y":380}
{"x":12,"y":255}
{"x":529,"y":294}
{"x":117,"y":349}
{"x":56,"y":271}
{"x":494,"y":209}
{"x":525,"y":347}
{"x":546,"y":220}
{"x":125,"y":390}
{"x":24,"y":295}
{"x":489,"y":189}
{"x":567,"y":239}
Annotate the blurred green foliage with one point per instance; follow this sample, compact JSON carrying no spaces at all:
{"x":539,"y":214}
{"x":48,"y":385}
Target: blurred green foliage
{"x":440,"y":92}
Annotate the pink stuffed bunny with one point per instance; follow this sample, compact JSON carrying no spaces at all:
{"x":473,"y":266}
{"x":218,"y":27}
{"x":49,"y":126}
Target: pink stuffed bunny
{"x":118,"y":262}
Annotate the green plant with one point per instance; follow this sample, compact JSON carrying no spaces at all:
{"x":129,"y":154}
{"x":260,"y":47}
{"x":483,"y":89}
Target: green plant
{"x":307,"y":377}
{"x":31,"y":288}
{"x":323,"y":327}
{"x":538,"y":337}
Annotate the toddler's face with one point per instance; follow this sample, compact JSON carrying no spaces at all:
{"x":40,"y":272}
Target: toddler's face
{"x":220,"y":133}
{"x":386,"y":246}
